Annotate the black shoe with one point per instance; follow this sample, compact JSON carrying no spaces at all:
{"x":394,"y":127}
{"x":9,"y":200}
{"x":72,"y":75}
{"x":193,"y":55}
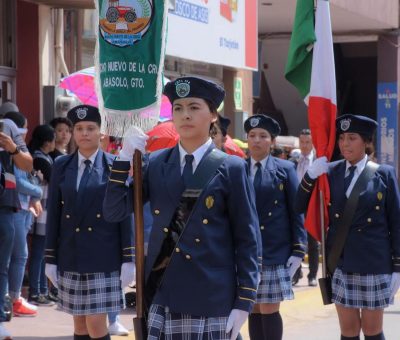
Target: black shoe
{"x":52,"y":297}
{"x":40,"y":300}
{"x":312,"y":282}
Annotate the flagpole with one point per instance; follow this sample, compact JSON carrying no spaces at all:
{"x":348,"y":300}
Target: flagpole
{"x":322,"y":223}
{"x":139,"y":322}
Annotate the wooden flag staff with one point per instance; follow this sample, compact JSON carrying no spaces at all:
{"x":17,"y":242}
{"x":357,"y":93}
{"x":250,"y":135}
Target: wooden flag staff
{"x":139,"y":322}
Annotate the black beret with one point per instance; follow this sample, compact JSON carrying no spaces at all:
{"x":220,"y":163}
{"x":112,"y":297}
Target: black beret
{"x":356,"y":124}
{"x":84,"y":113}
{"x":223,"y":124}
{"x":194,"y":87}
{"x":263,"y":122}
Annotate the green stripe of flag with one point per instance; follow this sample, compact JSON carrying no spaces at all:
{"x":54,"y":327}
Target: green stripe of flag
{"x":299,"y":62}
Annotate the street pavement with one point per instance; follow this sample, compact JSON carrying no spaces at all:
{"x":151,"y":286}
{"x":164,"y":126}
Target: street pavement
{"x":304,"y":318}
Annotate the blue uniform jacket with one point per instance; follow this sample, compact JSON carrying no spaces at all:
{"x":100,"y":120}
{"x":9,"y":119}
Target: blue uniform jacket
{"x":373,"y":242}
{"x":214,"y":266}
{"x":282,"y":230}
{"x":78,"y":239}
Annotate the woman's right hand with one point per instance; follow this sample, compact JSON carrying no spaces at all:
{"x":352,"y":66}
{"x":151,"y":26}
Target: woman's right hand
{"x":134,"y":140}
{"x":318,"y":167}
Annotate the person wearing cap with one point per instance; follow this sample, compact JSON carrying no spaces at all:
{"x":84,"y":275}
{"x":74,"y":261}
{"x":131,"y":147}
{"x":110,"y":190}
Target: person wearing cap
{"x":201,"y":268}
{"x":284,"y":240}
{"x":29,"y":194}
{"x":366,"y":276}
{"x":13,"y":151}
{"x":87,"y":258}
{"x":219,"y":132}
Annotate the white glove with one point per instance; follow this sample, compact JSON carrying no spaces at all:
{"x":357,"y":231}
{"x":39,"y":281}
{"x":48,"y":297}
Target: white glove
{"x":293,"y":264}
{"x":235,"y":322}
{"x":318,"y":167}
{"x":394,"y":285}
{"x":128,"y":274}
{"x":135,"y":139}
{"x":51,"y":273}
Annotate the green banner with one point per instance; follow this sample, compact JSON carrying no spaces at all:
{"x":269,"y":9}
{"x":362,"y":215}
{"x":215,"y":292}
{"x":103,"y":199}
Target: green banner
{"x":129,"y":62}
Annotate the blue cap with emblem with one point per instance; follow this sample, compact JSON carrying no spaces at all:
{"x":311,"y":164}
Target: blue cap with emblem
{"x":84,"y":113}
{"x":356,"y":124}
{"x":263,"y":122}
{"x":196,"y":88}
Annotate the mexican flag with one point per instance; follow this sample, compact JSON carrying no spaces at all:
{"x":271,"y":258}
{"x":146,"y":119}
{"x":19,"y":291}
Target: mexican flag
{"x":311,"y":69}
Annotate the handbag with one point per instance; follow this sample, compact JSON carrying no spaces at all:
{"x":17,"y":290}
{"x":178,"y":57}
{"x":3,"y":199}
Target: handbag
{"x":325,"y":283}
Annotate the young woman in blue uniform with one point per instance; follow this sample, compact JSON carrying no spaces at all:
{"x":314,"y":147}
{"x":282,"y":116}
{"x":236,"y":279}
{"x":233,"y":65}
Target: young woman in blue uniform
{"x":87,"y":258}
{"x":367,"y":275}
{"x":283,"y":236}
{"x":201,"y":268}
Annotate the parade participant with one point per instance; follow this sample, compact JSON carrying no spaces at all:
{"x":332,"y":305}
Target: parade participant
{"x":307,"y":156}
{"x":86,"y":257}
{"x":219,"y":131}
{"x":201,"y":268}
{"x":366,"y":270}
{"x":284,"y":238}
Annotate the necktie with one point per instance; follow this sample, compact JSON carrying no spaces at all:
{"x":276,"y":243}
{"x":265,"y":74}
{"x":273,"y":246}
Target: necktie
{"x":347,"y":180}
{"x":188,"y":169}
{"x":257,"y":176}
{"x":84,"y":179}
{"x":257,"y":185}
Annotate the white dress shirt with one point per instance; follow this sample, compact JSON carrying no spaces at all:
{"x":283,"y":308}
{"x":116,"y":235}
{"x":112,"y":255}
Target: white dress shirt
{"x":253,"y":167}
{"x":82,"y":165}
{"x":357,"y":172}
{"x":197,"y":154}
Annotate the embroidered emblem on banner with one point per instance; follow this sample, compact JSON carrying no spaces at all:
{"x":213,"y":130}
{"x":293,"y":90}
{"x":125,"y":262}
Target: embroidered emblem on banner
{"x":123,"y":22}
{"x":345,"y":124}
{"x":209,"y":202}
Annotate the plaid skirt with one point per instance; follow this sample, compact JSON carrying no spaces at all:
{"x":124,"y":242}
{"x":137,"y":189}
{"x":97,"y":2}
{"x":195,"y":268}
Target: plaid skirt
{"x":86,"y":294}
{"x":165,"y":325}
{"x":369,"y":291}
{"x":275,"y":285}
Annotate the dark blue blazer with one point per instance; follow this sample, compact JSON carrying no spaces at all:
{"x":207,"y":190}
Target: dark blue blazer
{"x":214,"y":267}
{"x":78,"y":238}
{"x":282,"y":228}
{"x":373,"y":242}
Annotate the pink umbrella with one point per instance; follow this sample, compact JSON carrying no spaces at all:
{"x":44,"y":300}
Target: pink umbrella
{"x":81,"y":84}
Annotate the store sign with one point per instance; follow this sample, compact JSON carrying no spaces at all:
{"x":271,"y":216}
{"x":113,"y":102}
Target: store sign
{"x":238,"y":93}
{"x":387,"y":141}
{"x":222,"y":32}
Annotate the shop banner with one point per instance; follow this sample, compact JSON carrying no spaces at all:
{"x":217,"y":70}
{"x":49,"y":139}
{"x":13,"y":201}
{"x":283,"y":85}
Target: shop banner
{"x":222,"y":32}
{"x":129,"y":62}
{"x":387,"y":141}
